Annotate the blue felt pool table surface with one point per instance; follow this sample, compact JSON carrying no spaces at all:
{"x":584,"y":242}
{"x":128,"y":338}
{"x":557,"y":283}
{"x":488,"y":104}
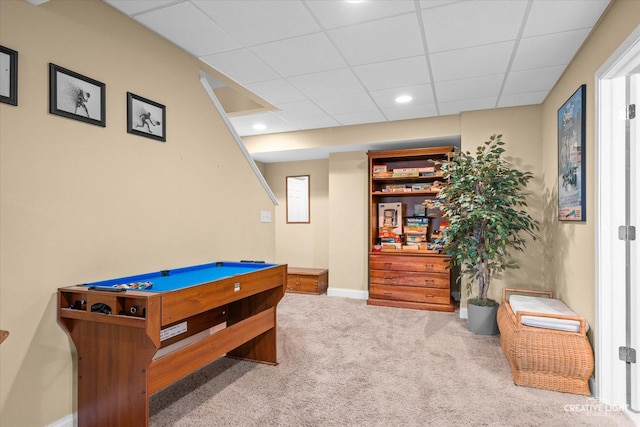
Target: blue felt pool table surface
{"x":180,"y":278}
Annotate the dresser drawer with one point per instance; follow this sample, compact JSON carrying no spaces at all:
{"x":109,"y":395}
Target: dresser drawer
{"x":410,"y":293}
{"x":409,"y":278}
{"x":409,"y":263}
{"x":307,"y":280}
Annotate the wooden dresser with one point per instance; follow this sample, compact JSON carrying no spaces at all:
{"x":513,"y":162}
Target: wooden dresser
{"x":307,"y":280}
{"x":416,"y":281}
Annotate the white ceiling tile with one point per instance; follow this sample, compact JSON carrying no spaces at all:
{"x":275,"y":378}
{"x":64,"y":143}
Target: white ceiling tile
{"x":331,"y":63}
{"x":332,"y":14}
{"x":132,"y":7}
{"x":293,"y":111}
{"x":254,"y":22}
{"x":532,"y":80}
{"x":317,"y":122}
{"x":276,"y":91}
{"x":189,"y":28}
{"x":242,"y":64}
{"x":471,"y":62}
{"x":558,"y":49}
{"x":243,"y":125}
{"x":410,"y":112}
{"x":472,"y":23}
{"x":397,"y":73}
{"x":327,"y":83}
{"x":302,"y":55}
{"x":458,"y":90}
{"x":447,"y":108}
{"x":344,"y":104}
{"x":421,"y":94}
{"x":552,"y":16}
{"x":518,"y":99}
{"x":360,"y":117}
{"x":391,"y":38}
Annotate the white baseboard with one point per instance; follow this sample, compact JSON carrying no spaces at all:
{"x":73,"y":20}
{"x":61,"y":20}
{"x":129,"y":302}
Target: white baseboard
{"x":347,"y":293}
{"x":68,"y":421}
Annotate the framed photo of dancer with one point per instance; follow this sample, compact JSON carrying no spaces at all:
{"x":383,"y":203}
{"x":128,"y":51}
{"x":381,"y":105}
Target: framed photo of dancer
{"x":146,"y":117}
{"x":77,"y":97}
{"x":8,"y":76}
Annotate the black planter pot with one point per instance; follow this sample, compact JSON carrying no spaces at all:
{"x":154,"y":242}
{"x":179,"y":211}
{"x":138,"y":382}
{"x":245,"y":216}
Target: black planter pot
{"x":482,"y":320}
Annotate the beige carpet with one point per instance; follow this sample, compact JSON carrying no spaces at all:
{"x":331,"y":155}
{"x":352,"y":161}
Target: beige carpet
{"x":343,"y":363}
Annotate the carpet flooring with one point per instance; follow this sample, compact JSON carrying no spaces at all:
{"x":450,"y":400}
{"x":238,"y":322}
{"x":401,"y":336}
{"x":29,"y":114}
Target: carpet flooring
{"x":343,"y":363}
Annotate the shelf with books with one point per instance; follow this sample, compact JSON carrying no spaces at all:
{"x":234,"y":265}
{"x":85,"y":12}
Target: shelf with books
{"x":401,"y":228}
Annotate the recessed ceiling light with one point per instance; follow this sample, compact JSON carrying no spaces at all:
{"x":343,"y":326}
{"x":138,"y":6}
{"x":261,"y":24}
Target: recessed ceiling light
{"x":403,"y":99}
{"x":259,"y":126}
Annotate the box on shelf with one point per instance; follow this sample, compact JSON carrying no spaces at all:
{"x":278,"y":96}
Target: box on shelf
{"x":379,"y":168}
{"x":390,"y":216}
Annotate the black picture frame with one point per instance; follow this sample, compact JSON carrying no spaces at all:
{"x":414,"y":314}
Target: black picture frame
{"x":572,"y":158}
{"x":77,"y":97}
{"x":146,"y":118}
{"x":8,"y":76}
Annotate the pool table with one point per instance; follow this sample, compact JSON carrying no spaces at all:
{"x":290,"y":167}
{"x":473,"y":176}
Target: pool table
{"x":130,"y":343}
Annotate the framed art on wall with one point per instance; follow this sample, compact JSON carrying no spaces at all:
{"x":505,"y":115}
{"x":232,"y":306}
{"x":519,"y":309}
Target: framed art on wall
{"x":146,"y":118}
{"x":75,"y":96}
{"x":571,"y":158}
{"x":297,"y":188}
{"x":8,"y":76}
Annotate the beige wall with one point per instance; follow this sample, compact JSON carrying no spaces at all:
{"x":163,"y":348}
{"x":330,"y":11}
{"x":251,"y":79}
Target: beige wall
{"x":348,"y":235}
{"x":301,"y":245}
{"x":521,"y":131}
{"x":82,"y":203}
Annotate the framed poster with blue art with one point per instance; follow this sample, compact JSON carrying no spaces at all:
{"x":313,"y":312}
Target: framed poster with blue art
{"x":571,"y":158}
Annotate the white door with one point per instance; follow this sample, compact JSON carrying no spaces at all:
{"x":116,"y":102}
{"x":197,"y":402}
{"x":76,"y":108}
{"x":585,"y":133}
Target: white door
{"x":633,"y":288}
{"x":618,"y":209}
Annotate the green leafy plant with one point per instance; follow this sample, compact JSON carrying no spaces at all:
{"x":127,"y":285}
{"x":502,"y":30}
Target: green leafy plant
{"x":484,"y":203}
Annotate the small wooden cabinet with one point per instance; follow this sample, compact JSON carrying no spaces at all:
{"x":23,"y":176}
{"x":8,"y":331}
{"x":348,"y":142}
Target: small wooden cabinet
{"x":406,"y":268}
{"x":307,"y":280}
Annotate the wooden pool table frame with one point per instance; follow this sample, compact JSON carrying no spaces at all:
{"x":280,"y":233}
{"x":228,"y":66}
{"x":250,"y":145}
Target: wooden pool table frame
{"x":116,"y":364}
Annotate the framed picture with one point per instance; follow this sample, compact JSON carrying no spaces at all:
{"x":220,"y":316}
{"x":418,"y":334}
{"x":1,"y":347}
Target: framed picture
{"x":8,"y":76}
{"x":571,"y":158}
{"x":146,"y":117}
{"x":75,"y":96}
{"x":298,"y":199}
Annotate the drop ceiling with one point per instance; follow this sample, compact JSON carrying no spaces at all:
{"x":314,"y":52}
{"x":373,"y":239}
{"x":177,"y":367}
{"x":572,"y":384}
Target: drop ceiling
{"x":328,"y":63}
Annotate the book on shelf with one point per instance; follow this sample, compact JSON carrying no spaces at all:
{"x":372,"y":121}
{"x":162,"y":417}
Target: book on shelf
{"x":412,"y":170}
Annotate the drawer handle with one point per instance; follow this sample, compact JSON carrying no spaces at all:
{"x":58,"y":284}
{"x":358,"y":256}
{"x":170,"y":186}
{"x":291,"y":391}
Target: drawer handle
{"x":388,"y":277}
{"x":387,"y":265}
{"x":429,"y":266}
{"x":429,"y":296}
{"x":429,"y":281}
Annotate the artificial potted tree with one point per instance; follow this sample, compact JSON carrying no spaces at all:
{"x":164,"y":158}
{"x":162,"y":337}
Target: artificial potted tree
{"x":484,"y":203}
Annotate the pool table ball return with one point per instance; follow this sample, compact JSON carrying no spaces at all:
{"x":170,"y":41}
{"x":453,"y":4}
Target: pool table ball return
{"x":131,"y":343}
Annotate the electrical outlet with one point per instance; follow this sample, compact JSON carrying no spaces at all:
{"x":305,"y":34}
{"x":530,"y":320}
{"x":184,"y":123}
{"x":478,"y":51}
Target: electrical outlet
{"x":265,"y":216}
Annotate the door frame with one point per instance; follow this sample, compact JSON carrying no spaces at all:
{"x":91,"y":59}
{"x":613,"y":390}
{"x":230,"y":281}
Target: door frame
{"x":610,"y":106}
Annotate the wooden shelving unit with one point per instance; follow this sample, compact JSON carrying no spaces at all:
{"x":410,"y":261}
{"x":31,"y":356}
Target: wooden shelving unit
{"x":407,"y":274}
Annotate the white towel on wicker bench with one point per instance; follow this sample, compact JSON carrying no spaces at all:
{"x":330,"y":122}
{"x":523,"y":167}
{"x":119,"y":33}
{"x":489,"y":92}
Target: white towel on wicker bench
{"x":547,"y":306}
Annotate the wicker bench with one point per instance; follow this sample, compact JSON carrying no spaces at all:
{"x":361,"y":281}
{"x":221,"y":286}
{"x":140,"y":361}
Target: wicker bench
{"x":545,"y":358}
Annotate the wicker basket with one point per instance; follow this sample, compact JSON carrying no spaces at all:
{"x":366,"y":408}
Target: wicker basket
{"x":545,"y":358}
